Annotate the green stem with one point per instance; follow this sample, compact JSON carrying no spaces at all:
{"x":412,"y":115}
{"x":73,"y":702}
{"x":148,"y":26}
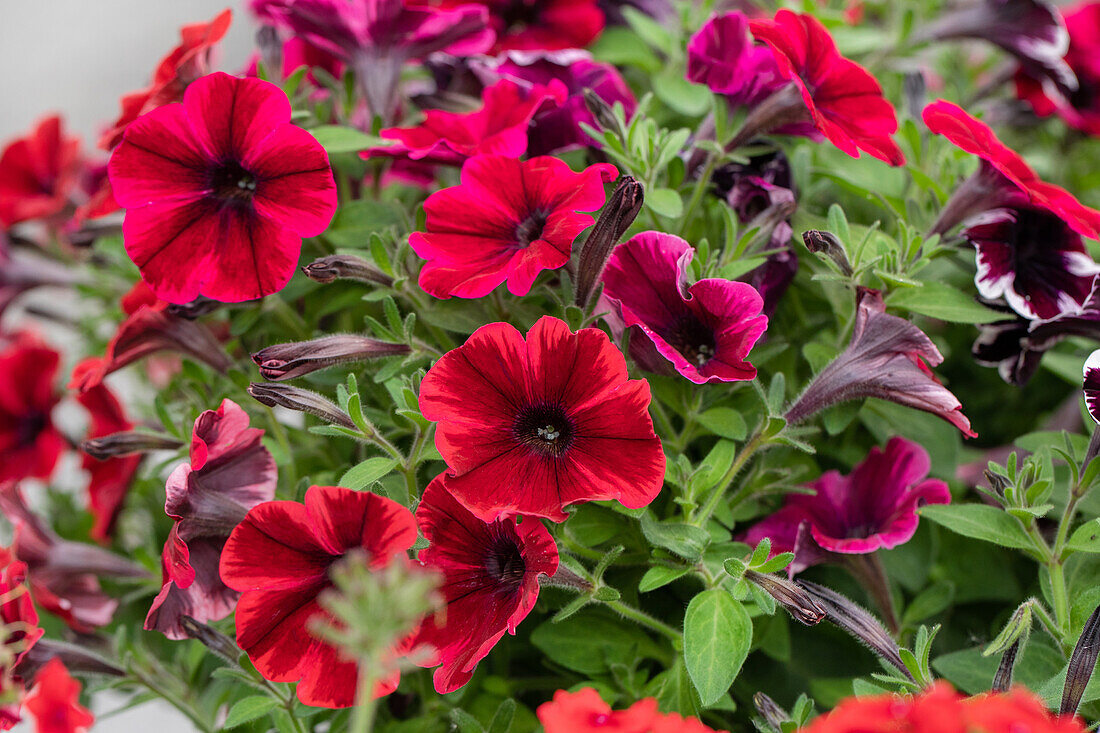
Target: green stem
{"x":703,"y":515}
{"x":698,"y":193}
{"x":174,"y":700}
{"x":362,"y":716}
{"x":644,"y":619}
{"x":1059,"y":598}
{"x":1045,"y":619}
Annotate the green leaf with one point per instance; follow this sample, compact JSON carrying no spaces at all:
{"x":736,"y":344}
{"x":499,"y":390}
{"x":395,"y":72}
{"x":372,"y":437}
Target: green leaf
{"x":340,"y":139}
{"x":249,"y":709}
{"x":929,"y":602}
{"x":502,"y":719}
{"x":464,"y":722}
{"x":685,"y":540}
{"x":658,"y":577}
{"x":1085,"y":538}
{"x":945,"y":303}
{"x":717,"y":637}
{"x":665,"y":201}
{"x":724,"y":421}
{"x":981,"y":522}
{"x":366,"y":473}
{"x":591,"y":639}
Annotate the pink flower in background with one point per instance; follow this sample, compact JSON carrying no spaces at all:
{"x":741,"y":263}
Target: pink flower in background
{"x":507,"y":220}
{"x":220,"y":190}
{"x":229,"y":473}
{"x":722,"y":56}
{"x":499,"y":127}
{"x":30,"y":444}
{"x":873,"y":507}
{"x":490,"y":581}
{"x":705,"y":330}
{"x":54,"y":701}
{"x":539,"y":25}
{"x":38,"y":173}
{"x":293,"y":54}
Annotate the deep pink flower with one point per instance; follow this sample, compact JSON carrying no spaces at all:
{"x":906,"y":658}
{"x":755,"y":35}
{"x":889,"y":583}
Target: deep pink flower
{"x":110,"y":478}
{"x":499,"y":127}
{"x":532,"y":426}
{"x":705,"y":330}
{"x":873,"y":507}
{"x":1004,"y":179}
{"x":30,"y":445}
{"x":279,"y":557}
{"x":490,"y":581}
{"x":38,"y":173}
{"x":558,"y":128}
{"x":538,"y":25}
{"x":507,"y":220}
{"x":1080,"y":108}
{"x":229,"y":473}
{"x":54,"y":701}
{"x":843,"y":100}
{"x":293,"y":54}
{"x":63,"y":574}
{"x":1032,"y":259}
{"x":220,"y":190}
{"x":149,"y":328}
{"x":887,"y":358}
{"x":722,"y":56}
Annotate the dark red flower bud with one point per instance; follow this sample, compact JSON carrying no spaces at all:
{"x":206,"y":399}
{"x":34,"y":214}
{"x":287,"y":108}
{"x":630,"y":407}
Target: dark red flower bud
{"x":1003,"y":679}
{"x":345,"y":267}
{"x":1081,"y":664}
{"x":615,"y":219}
{"x":287,"y":361}
{"x":800,"y":604}
{"x":774,"y":715}
{"x":75,"y":658}
{"x":826,"y":244}
{"x":212,"y":639}
{"x":127,"y":443}
{"x":301,"y":400}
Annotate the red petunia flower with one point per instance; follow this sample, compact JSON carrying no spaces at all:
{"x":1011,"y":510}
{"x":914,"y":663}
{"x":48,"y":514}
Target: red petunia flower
{"x":508,"y":220}
{"x":54,"y":701}
{"x":584,"y":711}
{"x":531,"y":426}
{"x":110,"y":477}
{"x":1004,"y":179}
{"x":220,"y":190}
{"x":705,"y":330}
{"x":279,"y":557}
{"x":229,"y":473}
{"x":30,"y":445}
{"x":490,"y":581}
{"x":18,"y":615}
{"x":148,"y":329}
{"x":38,"y":173}
{"x":62,"y":573}
{"x":873,"y":507}
{"x":842,"y":99}
{"x":187,"y":62}
{"x":498,"y":128}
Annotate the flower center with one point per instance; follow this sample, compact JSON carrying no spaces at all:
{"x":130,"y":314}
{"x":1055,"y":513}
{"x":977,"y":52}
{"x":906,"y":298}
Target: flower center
{"x":520,"y":14}
{"x":232,"y":183}
{"x":546,"y":429}
{"x":693,"y":339}
{"x":505,"y":564}
{"x":28,"y":428}
{"x":530,"y":229}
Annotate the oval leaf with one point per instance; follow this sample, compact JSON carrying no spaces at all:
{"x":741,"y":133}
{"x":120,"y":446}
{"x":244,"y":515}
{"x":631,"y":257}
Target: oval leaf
{"x":250,"y":709}
{"x":981,"y":522}
{"x":945,"y":303}
{"x":366,"y":473}
{"x":717,"y":637}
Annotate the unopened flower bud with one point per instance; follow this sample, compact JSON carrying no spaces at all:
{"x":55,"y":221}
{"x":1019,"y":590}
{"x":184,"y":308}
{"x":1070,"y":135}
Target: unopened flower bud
{"x":773,"y":715}
{"x":600,"y":110}
{"x":287,"y":361}
{"x":1081,"y":664}
{"x":127,"y":443}
{"x":345,"y":267}
{"x":783,"y":107}
{"x":617,"y":216}
{"x":858,"y":622}
{"x":300,"y":400}
{"x":1003,"y":679}
{"x":826,"y":243}
{"x":212,"y":639}
{"x":75,"y":658}
{"x":797,"y":601}
{"x":997,"y":482}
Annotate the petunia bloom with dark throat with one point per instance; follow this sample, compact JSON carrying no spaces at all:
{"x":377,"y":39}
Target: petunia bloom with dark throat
{"x":705,"y":330}
{"x":30,"y":445}
{"x":490,"y":577}
{"x":530,"y":426}
{"x":220,"y":190}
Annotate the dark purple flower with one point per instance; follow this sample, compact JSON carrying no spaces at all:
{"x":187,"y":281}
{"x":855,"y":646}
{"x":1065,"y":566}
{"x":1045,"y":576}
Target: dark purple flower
{"x":660,"y":10}
{"x":887,"y":358}
{"x":558,"y":128}
{"x":377,"y":37}
{"x":723,"y":56}
{"x":229,"y":473}
{"x":1032,"y":259}
{"x":1092,"y":384}
{"x":705,"y":330}
{"x":1031,"y":30}
{"x":875,"y":506}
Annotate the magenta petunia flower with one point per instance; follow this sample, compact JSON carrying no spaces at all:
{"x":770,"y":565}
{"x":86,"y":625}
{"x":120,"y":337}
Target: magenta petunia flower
{"x":1032,"y":259}
{"x":499,"y":127}
{"x":507,"y":220}
{"x":887,"y":358}
{"x":705,"y":330}
{"x":530,"y":426}
{"x":722,"y":56}
{"x":229,"y":473}
{"x":873,"y":507}
{"x":539,"y":25}
{"x":558,"y":127}
{"x":220,"y":190}
{"x":490,"y":583}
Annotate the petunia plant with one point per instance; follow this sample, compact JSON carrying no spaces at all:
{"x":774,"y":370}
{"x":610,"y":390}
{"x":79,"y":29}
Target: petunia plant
{"x":563,"y":365}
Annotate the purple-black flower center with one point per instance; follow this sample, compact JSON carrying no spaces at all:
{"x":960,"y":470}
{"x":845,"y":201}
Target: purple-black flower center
{"x":520,"y":14}
{"x":29,"y":426}
{"x":693,"y":339}
{"x":504,"y":563}
{"x":546,"y":429}
{"x":530,"y":229}
{"x":231,"y":183}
